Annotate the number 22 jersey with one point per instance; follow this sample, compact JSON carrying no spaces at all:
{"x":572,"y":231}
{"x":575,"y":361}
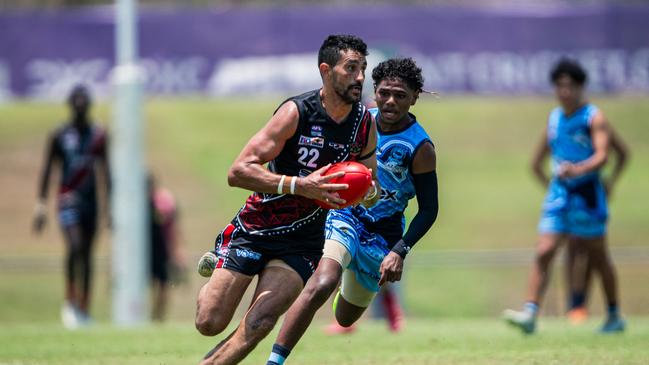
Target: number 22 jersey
{"x":318,"y":141}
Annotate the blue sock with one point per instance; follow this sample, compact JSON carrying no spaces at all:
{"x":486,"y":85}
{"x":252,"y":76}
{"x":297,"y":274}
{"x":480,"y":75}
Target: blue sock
{"x":577,"y":299}
{"x":613,"y":310}
{"x":278,"y":355}
{"x":531,"y":307}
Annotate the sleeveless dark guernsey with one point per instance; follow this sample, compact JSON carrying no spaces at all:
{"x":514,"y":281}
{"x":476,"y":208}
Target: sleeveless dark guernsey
{"x":318,"y":140}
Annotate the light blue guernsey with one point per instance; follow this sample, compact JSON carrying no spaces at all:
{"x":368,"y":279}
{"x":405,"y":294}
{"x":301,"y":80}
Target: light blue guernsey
{"x":394,"y":154}
{"x":569,"y":139}
{"x":575,"y":205}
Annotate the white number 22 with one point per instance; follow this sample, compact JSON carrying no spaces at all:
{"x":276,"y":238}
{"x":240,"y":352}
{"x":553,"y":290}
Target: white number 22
{"x":306,"y":153}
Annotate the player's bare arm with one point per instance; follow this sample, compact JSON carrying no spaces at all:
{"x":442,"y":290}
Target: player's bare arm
{"x":248,"y":171}
{"x":40,"y":211}
{"x":424,"y":169}
{"x":369,"y":160}
{"x":540,"y":153}
{"x":621,"y":150}
{"x":425,"y":160}
{"x":600,"y":135}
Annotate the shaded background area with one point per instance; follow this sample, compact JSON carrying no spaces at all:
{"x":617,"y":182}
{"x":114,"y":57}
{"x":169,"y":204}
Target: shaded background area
{"x":204,"y":3}
{"x":215,"y":51}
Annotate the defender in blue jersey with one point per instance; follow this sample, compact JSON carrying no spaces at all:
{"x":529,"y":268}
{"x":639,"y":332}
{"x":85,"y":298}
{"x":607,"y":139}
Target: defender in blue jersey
{"x":577,"y":137}
{"x":365,"y":246}
{"x":78,"y":147}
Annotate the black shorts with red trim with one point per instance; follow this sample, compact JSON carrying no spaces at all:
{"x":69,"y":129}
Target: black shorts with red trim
{"x":249,"y":254}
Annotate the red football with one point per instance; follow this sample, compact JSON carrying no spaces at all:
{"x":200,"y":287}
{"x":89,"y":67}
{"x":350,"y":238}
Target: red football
{"x":357,"y":176}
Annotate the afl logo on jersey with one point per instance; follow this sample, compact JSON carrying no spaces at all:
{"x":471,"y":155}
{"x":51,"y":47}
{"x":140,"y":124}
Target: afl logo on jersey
{"x":316,"y":130}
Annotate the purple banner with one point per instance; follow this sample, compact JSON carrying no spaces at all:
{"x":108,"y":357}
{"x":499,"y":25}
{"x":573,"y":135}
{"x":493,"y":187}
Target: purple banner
{"x":239,"y":51}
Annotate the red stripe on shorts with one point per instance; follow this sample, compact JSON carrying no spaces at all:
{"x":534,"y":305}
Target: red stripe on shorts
{"x":224,"y":247}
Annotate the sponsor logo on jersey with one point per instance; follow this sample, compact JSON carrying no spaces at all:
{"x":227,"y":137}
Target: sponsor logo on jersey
{"x":317,"y":142}
{"x":248,"y":254}
{"x":389,"y":195}
{"x":304,"y":172}
{"x":336,"y":146}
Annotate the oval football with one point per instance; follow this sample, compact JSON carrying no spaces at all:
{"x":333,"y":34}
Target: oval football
{"x":357,"y":177}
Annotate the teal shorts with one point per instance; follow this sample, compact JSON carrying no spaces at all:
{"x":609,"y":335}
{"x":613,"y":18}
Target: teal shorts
{"x":367,"y":249}
{"x":576,"y":209}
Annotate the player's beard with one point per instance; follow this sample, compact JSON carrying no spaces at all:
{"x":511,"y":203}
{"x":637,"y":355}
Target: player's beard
{"x":345,"y":93}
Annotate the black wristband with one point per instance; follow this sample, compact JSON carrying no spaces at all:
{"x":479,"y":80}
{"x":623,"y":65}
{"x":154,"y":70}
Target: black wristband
{"x":401,"y":249}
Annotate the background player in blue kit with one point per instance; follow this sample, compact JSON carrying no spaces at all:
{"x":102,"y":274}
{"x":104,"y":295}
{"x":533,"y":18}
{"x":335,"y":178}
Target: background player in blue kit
{"x":366,"y":247}
{"x":77,"y":146}
{"x":577,"y":136}
{"x":579,"y":268}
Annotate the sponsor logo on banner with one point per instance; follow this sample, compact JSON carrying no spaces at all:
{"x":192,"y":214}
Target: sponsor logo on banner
{"x":317,"y":142}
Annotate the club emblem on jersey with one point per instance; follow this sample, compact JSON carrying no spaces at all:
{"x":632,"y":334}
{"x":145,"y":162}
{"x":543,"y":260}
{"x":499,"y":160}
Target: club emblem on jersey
{"x":316,"y":130}
{"x":317,"y":142}
{"x":395,"y":159}
{"x":582,"y":139}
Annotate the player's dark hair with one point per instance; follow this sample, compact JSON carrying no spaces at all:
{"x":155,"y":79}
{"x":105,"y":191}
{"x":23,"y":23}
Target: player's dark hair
{"x":399,"y":68}
{"x":330,"y":50}
{"x":570,"y":67}
{"x":79,"y":90}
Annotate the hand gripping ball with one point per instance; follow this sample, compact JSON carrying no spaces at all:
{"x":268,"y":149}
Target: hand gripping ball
{"x":357,"y":177}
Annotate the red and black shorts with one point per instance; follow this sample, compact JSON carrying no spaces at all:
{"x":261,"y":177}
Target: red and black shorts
{"x":249,"y":254}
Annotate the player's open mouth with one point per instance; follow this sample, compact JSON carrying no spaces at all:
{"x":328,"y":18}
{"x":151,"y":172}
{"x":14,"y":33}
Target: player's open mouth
{"x":389,"y":113}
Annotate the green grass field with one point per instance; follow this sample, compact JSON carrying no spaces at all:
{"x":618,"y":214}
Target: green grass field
{"x":488,"y":200}
{"x":424,"y":341}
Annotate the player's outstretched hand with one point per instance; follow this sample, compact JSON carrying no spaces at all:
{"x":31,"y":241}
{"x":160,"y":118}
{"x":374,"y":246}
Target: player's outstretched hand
{"x":317,"y":186}
{"x":391,"y":268}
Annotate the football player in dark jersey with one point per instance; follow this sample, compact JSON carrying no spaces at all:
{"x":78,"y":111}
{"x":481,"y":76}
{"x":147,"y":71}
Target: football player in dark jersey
{"x":279,"y":233}
{"x":77,"y":147}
